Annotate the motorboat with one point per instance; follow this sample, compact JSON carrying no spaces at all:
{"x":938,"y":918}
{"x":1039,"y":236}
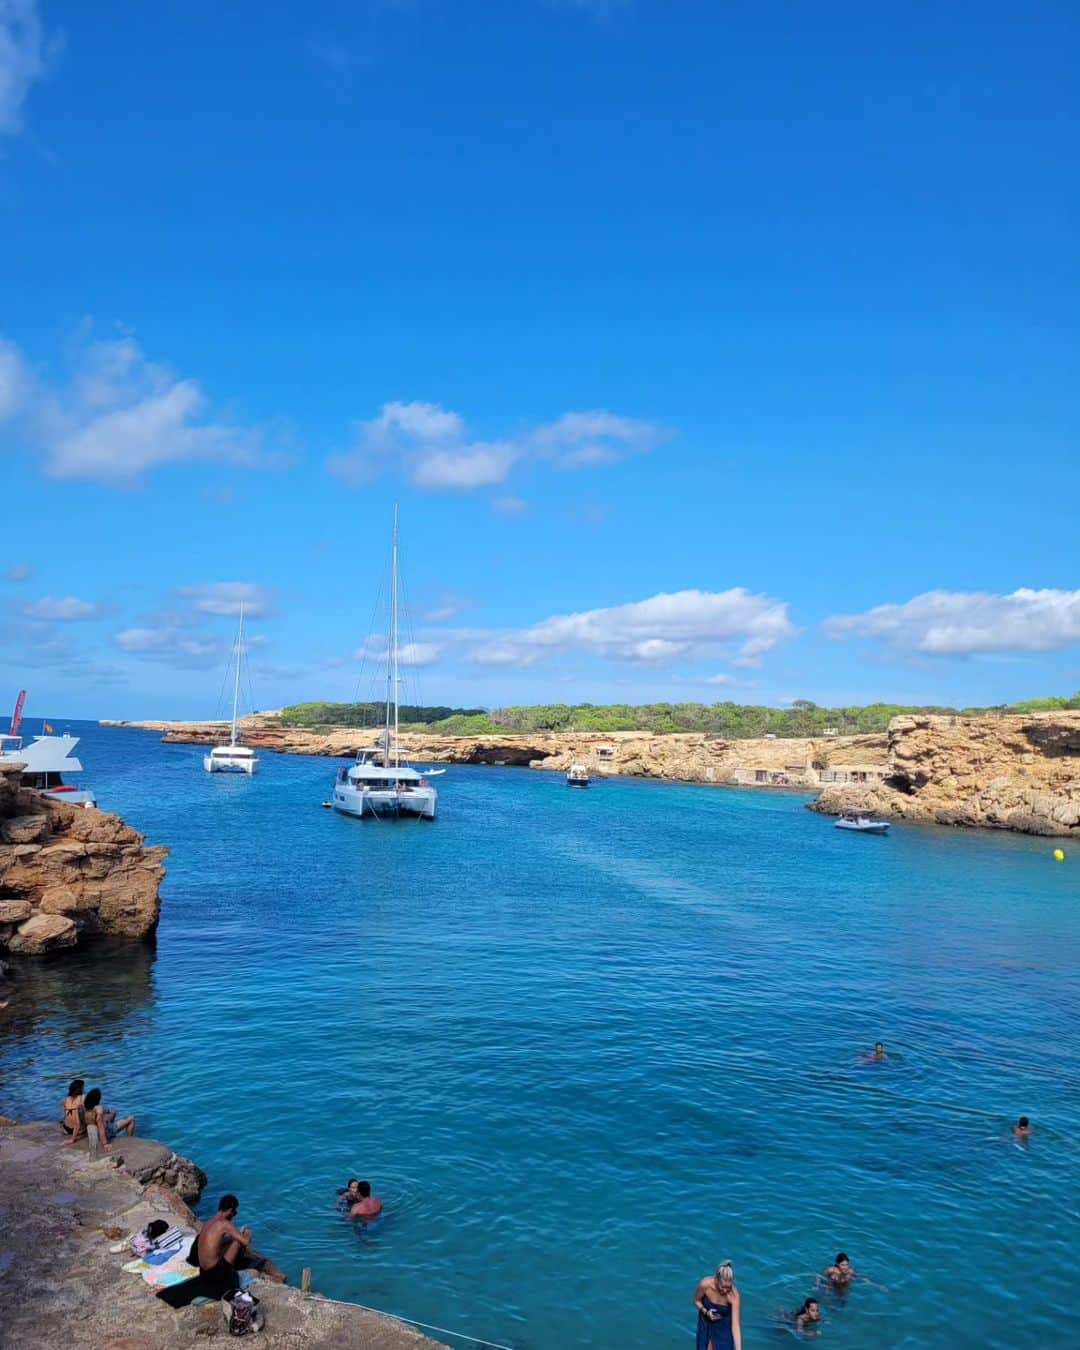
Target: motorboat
{"x":47,"y":759}
{"x":861,"y":823}
{"x":379,"y":783}
{"x":577,"y":776}
{"x":233,"y":757}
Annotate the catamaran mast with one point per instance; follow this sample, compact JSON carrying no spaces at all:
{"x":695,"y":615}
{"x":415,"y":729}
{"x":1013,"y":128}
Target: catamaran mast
{"x":236,"y":681}
{"x":391,"y":652}
{"x":394,"y":639}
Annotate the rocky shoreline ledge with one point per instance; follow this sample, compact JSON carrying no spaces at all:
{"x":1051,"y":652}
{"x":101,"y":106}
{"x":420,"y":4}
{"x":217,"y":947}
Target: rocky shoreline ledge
{"x":1017,"y":772}
{"x":60,"y":1285}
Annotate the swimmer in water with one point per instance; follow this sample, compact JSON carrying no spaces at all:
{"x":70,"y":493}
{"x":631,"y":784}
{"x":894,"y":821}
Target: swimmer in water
{"x":807,"y":1317}
{"x":841,"y":1275}
{"x":1022,"y":1128}
{"x":367,"y":1206}
{"x":877,"y":1055}
{"x":349,"y":1196}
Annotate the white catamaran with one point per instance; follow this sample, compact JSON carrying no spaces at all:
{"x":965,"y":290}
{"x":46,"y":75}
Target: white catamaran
{"x":379,"y":784}
{"x":234,"y":757}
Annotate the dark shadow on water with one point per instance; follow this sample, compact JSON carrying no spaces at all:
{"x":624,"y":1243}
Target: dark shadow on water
{"x":59,"y":1003}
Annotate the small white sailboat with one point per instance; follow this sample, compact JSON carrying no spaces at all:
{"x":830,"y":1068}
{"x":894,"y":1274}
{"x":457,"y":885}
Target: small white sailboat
{"x":233,"y":757}
{"x":861,"y":823}
{"x":379,"y":784}
{"x":577,"y":776}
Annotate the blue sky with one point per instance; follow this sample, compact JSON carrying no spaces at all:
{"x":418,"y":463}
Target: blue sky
{"x":712,"y":350}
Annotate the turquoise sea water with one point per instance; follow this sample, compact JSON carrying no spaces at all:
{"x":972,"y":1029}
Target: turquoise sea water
{"x":586,"y":1044}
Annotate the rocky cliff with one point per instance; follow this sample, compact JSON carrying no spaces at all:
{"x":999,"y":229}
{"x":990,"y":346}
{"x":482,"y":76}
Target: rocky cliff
{"x":1014,"y":772}
{"x":683,"y":757}
{"x":67,"y":872}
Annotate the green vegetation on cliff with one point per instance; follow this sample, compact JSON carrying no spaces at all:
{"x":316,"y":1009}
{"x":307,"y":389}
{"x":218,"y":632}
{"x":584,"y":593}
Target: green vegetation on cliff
{"x":732,"y":721}
{"x":367,"y":714}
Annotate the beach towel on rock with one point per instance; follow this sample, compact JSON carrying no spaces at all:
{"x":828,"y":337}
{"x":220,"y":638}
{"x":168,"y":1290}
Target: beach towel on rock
{"x":173,"y":1269}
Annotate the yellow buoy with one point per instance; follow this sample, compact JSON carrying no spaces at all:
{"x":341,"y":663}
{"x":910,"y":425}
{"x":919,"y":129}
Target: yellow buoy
{"x":1059,"y":855}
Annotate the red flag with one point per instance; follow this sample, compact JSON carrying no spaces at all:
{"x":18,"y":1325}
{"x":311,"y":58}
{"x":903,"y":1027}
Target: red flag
{"x":16,"y":716}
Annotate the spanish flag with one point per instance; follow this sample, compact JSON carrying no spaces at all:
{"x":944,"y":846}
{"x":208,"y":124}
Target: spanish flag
{"x":48,"y":729}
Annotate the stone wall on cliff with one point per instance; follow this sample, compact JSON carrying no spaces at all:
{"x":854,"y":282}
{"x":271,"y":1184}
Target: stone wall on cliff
{"x":1010,"y":772}
{"x":68,"y":872}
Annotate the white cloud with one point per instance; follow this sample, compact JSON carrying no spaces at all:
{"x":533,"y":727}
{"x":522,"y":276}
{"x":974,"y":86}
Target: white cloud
{"x":962,"y":623}
{"x":173,"y":647}
{"x":448,"y":608}
{"x":226,"y":597}
{"x":117,"y":416}
{"x":63,"y":609}
{"x":585,"y":439}
{"x":431,"y":446}
{"x":510,"y":505}
{"x":652,"y":631}
{"x":409,"y":653}
{"x":477,"y":465}
{"x":18,"y":572}
{"x":25,"y":53}
{"x":418,"y":654}
{"x":503,"y":654}
{"x":410,"y":434}
{"x":720,"y":679}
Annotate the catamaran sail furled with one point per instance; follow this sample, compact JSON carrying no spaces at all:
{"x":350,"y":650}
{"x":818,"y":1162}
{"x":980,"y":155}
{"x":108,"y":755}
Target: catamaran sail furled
{"x":234,"y":757}
{"x":379,"y":784}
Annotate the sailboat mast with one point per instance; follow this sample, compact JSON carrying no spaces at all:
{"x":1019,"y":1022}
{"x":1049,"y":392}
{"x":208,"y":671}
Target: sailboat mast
{"x":390,"y":649}
{"x":394,"y":639}
{"x":236,"y":681}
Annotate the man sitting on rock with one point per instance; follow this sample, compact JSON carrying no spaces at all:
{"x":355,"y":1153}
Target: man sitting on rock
{"x":218,"y":1251}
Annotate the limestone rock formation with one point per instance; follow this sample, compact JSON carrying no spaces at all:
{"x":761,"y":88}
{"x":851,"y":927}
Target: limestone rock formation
{"x":68,"y":871}
{"x":1014,"y":771}
{"x":43,"y":933}
{"x":1009,"y":772}
{"x":682,"y":757}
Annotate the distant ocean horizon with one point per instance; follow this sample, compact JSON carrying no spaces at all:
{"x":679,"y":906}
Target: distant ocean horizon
{"x":588,"y":1044}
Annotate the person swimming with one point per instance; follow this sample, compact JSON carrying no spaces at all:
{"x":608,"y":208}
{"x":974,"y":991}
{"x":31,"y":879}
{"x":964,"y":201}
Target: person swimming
{"x":1022,"y":1128}
{"x":877,"y":1055}
{"x":348,"y":1195}
{"x":717,"y":1302}
{"x":805,"y":1318}
{"x":367,"y":1206}
{"x":840,"y":1274}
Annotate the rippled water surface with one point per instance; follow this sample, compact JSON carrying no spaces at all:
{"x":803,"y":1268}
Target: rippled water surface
{"x":586,"y":1044}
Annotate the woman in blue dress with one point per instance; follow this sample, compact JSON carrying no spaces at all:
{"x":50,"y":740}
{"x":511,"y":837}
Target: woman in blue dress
{"x":717,"y":1302}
